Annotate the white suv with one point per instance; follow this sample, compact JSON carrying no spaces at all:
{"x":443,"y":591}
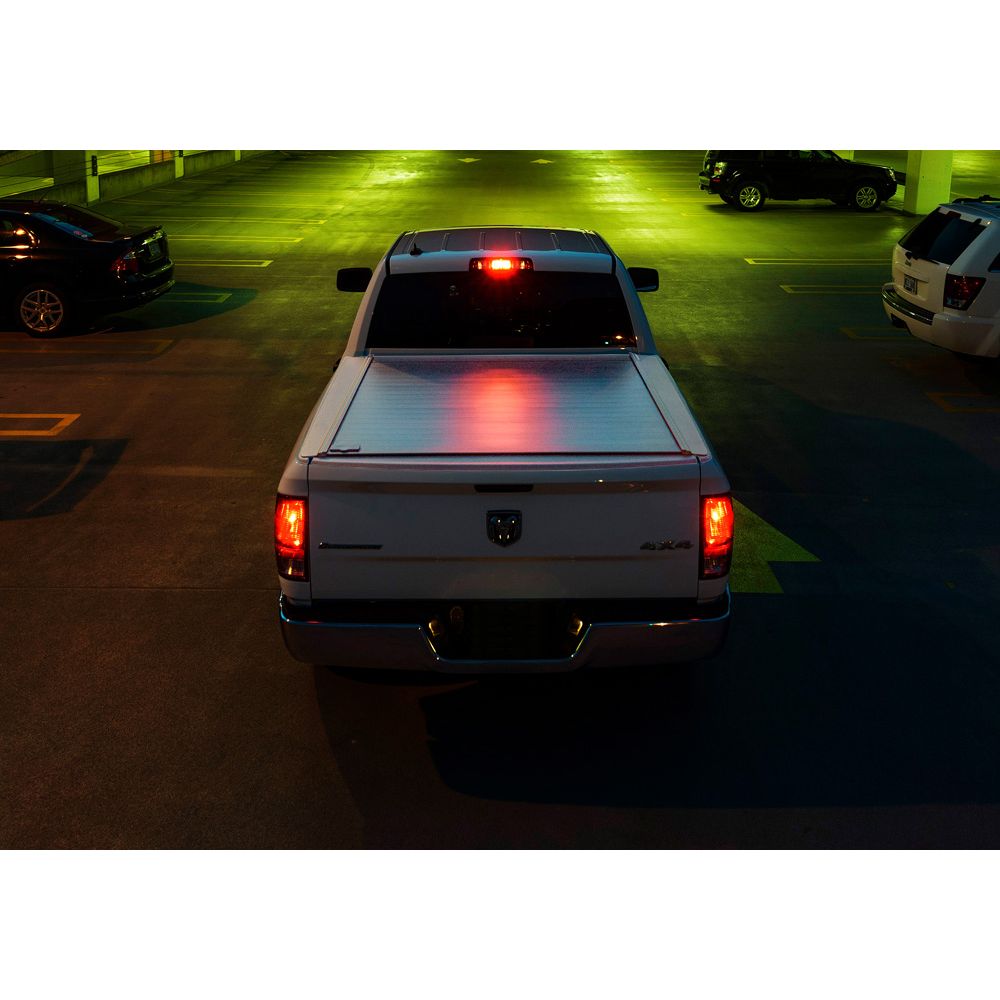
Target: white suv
{"x":945,"y":286}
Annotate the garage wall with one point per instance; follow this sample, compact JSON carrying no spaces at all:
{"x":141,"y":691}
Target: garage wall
{"x":35,"y":174}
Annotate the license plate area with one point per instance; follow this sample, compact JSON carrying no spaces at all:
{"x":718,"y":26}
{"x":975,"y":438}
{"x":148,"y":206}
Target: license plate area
{"x":909,"y":283}
{"x":506,"y":630}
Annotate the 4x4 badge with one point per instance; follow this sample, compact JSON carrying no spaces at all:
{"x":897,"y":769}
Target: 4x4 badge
{"x":503,"y":527}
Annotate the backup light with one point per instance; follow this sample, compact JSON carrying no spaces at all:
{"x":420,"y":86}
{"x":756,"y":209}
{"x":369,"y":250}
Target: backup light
{"x":290,"y":537}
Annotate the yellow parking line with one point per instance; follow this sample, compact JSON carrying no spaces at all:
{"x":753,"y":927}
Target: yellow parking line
{"x":237,"y":219}
{"x":235,"y":239}
{"x":63,"y":420}
{"x":104,"y":346}
{"x":193,"y":472}
{"x":222,"y":262}
{"x":945,"y":401}
{"x":820,"y":261}
{"x":829,"y":289}
{"x":213,"y":298}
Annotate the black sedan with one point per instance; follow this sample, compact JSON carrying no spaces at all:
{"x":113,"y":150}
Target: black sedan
{"x":747,"y":178}
{"x":59,"y":263}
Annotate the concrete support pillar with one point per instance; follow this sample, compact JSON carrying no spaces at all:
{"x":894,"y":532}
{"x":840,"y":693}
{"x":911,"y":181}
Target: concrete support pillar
{"x":845,"y":154}
{"x":71,"y":166}
{"x":178,"y":164}
{"x":928,"y":180}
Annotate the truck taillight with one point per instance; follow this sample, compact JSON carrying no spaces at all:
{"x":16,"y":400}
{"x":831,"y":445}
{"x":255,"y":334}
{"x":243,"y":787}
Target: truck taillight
{"x":128,"y":263}
{"x":290,"y":537}
{"x":717,"y":523}
{"x":960,"y":290}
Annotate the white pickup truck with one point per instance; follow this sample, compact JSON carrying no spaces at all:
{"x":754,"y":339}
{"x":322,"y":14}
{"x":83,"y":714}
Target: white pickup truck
{"x":502,"y":475}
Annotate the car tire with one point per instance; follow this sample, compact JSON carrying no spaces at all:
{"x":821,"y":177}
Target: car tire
{"x":748,"y":196}
{"x":865,"y":197}
{"x":43,"y":309}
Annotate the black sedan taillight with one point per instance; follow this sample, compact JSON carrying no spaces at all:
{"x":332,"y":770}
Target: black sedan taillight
{"x":127,"y":263}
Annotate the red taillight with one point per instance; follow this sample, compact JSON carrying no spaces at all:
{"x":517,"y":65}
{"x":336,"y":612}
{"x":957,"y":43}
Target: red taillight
{"x":501,"y":266}
{"x":717,"y":523}
{"x":960,"y":290}
{"x":128,"y":263}
{"x":290,"y":537}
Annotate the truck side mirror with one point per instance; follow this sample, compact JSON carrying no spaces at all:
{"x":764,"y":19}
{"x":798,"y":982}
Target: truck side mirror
{"x":353,"y":279}
{"x":645,"y":279}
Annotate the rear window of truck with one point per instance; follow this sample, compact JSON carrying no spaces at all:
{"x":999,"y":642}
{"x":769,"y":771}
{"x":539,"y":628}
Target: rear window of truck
{"x":942,"y":237}
{"x":533,"y":309}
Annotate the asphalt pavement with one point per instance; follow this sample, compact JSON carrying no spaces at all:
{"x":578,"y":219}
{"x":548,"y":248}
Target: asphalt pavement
{"x":146,"y":698}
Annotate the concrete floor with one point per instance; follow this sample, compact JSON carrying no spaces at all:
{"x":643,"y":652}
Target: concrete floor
{"x":146,"y":699}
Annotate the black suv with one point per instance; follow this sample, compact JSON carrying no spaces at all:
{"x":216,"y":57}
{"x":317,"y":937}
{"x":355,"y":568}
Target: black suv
{"x":59,"y":262}
{"x":747,"y":178}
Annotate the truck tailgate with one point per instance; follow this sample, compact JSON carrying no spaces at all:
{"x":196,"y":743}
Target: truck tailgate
{"x":574,"y":451}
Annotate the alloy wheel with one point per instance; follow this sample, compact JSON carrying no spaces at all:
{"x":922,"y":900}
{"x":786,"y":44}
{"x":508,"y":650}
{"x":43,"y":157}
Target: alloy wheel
{"x":42,"y":311}
{"x":866,"y":197}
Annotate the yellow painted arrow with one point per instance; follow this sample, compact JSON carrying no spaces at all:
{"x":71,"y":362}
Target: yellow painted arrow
{"x":756,"y":546}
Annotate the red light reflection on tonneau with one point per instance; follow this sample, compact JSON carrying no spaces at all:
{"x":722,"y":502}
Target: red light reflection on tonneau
{"x":506,"y":411}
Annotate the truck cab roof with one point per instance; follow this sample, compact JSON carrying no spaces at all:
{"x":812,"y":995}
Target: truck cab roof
{"x":453,"y":249}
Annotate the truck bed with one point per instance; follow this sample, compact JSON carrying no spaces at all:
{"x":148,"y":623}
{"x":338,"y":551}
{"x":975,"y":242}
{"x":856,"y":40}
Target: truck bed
{"x":483,"y":404}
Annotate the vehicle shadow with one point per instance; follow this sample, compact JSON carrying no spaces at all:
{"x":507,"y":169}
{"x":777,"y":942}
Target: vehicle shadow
{"x":41,"y":478}
{"x":187,"y":302}
{"x":872,"y":680}
{"x":799,"y":711}
{"x":814,"y":702}
{"x":983,"y":373}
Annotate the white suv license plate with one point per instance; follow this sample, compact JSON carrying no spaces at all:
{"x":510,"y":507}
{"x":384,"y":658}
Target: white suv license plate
{"x":909,"y":283}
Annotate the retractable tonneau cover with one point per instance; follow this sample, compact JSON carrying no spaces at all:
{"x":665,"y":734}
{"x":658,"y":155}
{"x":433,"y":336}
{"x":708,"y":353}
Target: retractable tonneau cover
{"x":501,"y":404}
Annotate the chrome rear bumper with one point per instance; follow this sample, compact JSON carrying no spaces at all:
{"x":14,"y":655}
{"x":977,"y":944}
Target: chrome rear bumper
{"x":408,"y":645}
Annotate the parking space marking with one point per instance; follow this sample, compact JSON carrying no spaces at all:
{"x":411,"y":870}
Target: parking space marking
{"x":235,"y":239}
{"x":104,"y":346}
{"x":212,"y":298}
{"x":195,"y":472}
{"x":222,"y":262}
{"x":887,"y":332}
{"x":62,"y":421}
{"x":830,"y":289}
{"x":819,"y":261}
{"x":965,"y":402}
{"x":229,"y":218}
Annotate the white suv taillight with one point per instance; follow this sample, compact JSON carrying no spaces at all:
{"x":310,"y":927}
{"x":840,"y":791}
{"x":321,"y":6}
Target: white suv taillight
{"x":290,"y":537}
{"x":717,"y":523}
{"x":960,"y":290}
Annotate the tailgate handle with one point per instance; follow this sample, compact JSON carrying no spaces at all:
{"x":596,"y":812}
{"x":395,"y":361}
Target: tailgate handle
{"x":504,"y":487}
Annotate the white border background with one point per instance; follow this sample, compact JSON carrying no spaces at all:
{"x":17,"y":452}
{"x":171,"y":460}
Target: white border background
{"x":480,"y":925}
